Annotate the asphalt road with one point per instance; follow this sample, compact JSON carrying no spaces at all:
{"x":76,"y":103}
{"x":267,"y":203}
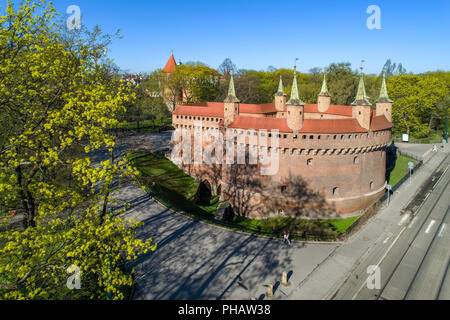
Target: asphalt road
{"x":413,"y":260}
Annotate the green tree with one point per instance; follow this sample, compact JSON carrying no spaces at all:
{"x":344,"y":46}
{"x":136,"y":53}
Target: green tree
{"x":342,"y":83}
{"x":190,"y":83}
{"x":148,"y":105}
{"x":227,"y":66}
{"x":56,"y":104}
{"x":415,"y":101}
{"x":392,"y":69}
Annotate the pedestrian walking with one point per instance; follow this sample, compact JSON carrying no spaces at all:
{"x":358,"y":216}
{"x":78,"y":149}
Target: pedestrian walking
{"x":286,"y":239}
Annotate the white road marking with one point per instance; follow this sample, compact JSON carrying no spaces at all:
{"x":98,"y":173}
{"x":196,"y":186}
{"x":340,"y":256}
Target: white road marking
{"x":403,"y":220}
{"x":398,"y":237}
{"x":442,"y":230}
{"x":432,"y":222}
{"x":412,"y":222}
{"x":381,"y":260}
{"x":386,"y":241}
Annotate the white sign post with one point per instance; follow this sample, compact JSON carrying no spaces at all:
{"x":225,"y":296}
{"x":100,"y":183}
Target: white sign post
{"x":405,"y":137}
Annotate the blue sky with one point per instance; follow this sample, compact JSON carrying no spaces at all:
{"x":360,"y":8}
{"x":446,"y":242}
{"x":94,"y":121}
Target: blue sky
{"x":259,"y":33}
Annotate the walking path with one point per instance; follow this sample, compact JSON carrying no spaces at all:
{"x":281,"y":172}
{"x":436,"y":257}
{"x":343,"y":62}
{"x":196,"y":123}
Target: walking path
{"x":416,"y":150}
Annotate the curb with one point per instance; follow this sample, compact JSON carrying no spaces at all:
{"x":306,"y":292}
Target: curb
{"x":427,"y":153}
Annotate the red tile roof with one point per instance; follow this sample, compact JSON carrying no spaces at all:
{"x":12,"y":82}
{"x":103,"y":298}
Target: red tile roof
{"x":332,"y":126}
{"x":215,"y":109}
{"x":350,"y":125}
{"x":336,"y":110}
{"x":170,"y":65}
{"x":380,"y":123}
{"x":209,"y":108}
{"x":206,"y":109}
{"x":256,"y":123}
{"x":257,"y":108}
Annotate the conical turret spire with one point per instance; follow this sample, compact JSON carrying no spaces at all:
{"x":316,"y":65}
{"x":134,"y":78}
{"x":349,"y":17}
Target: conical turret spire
{"x":280,"y":91}
{"x":231,"y":97}
{"x":170,"y":65}
{"x":361,"y":97}
{"x":383,"y":92}
{"x":295,"y":97}
{"x":324,"y":91}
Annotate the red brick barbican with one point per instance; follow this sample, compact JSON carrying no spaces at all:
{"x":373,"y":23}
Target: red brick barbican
{"x":332,"y":159}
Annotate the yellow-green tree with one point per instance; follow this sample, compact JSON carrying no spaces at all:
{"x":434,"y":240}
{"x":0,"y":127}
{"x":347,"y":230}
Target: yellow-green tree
{"x":190,"y":83}
{"x":56,"y":104}
{"x":415,"y":102}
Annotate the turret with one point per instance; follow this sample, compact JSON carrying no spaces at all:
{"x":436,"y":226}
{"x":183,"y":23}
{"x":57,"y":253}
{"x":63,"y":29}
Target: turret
{"x":384,"y":104}
{"x":280,"y":97}
{"x":170,"y":65}
{"x":361,"y":105}
{"x":324,"y":99}
{"x":231,"y":105}
{"x":295,"y":108}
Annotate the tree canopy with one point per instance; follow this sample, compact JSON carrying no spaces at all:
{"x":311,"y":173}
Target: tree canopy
{"x":56,"y":106}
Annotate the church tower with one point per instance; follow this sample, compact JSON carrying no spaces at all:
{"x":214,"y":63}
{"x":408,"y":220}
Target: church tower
{"x":384,"y":104}
{"x":324,"y":99}
{"x":361,"y":105}
{"x":231,"y":105}
{"x":295,"y":108}
{"x":280,"y":97}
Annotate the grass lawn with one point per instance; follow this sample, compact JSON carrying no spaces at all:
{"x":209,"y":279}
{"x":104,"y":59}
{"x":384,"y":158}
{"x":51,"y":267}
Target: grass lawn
{"x":170,"y":185}
{"x":401,"y":169}
{"x":341,"y":225}
{"x":326,"y":229}
{"x":176,"y":190}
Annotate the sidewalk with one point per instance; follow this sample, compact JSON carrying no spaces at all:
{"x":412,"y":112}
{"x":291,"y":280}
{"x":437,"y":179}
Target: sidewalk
{"x":327,"y":278}
{"x":415,"y":150}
